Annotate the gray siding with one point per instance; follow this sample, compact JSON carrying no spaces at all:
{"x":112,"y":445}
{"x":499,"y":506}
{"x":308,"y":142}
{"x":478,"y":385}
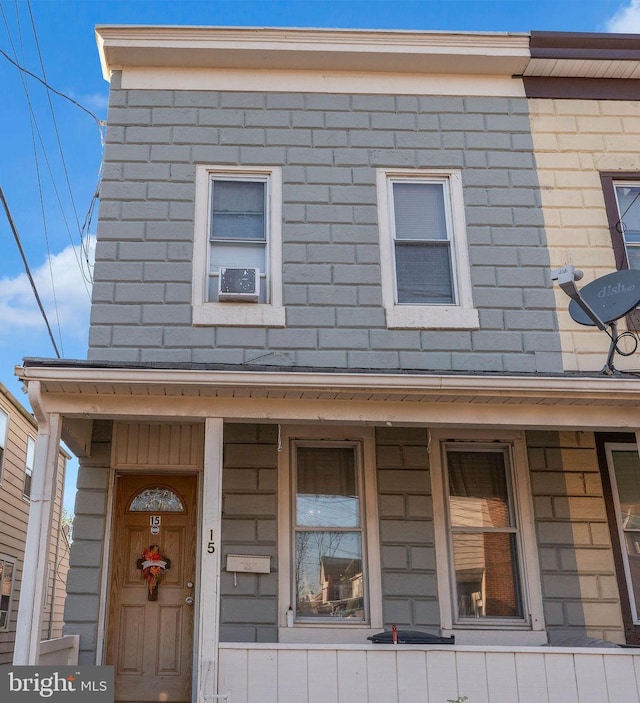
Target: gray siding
{"x":579,"y":587}
{"x":249,"y":607}
{"x":407,"y":548}
{"x":83,"y":584}
{"x":329,"y":147}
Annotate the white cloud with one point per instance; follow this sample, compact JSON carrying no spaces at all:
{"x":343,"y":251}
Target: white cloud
{"x":94,"y":102}
{"x":626,"y":20}
{"x":66,"y":300}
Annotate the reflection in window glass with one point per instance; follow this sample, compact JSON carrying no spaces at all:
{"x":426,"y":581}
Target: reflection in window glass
{"x":156,"y":499}
{"x":328,"y":539}
{"x":6,"y":587}
{"x":484,"y":537}
{"x":329,"y":575}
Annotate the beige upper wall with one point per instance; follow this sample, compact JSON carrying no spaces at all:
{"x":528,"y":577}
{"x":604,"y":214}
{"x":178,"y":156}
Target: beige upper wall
{"x":574,"y":140}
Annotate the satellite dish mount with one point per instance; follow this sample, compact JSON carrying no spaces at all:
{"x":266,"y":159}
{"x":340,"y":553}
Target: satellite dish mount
{"x":602,"y":303}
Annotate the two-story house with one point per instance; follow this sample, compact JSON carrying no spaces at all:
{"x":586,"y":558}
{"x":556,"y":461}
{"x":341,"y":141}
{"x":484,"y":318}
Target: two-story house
{"x":18,"y":432}
{"x":330,"y":388}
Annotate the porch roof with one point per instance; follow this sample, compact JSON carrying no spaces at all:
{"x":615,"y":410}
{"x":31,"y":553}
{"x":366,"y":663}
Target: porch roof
{"x":87,"y":390}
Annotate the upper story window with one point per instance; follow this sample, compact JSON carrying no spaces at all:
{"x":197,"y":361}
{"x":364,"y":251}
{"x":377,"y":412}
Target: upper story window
{"x":28,"y":467}
{"x":425,"y":263}
{"x":237,"y":247}
{"x":622,"y":201}
{"x":4,"y":426}
{"x":628,"y":198}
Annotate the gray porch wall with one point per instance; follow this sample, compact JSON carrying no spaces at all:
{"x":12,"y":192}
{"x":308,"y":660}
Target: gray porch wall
{"x":408,"y":558}
{"x":579,"y":586}
{"x":329,"y":147}
{"x":249,"y":607}
{"x":82,"y":605}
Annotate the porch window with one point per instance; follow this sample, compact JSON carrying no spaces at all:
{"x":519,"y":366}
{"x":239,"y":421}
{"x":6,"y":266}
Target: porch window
{"x":624,"y":472}
{"x":328,"y":554}
{"x":328,"y":535}
{"x":7,"y":572}
{"x":484,"y":534}
{"x":488,"y":570}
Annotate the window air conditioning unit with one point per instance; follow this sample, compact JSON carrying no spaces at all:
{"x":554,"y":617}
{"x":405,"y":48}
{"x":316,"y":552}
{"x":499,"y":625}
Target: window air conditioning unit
{"x":239,"y":284}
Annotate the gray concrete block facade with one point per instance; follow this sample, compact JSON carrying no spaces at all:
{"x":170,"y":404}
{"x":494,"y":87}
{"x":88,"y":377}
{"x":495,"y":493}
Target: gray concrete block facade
{"x":329,"y":147}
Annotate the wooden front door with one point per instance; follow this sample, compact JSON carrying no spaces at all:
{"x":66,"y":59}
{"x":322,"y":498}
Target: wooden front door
{"x":150,"y":642}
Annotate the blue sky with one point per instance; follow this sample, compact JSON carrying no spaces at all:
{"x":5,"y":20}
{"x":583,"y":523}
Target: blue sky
{"x":51,"y":149}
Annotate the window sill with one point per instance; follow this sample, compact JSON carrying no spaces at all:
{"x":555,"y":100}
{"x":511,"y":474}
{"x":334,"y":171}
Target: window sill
{"x":497,"y":636}
{"x":238,"y":315}
{"x":441,"y":317}
{"x":326,"y":634}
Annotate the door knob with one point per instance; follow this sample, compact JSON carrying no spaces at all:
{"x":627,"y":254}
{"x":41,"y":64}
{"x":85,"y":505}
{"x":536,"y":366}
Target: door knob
{"x":188,"y":600}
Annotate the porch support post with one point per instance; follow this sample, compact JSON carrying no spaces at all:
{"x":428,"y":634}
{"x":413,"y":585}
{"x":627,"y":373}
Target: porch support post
{"x":209,"y":587}
{"x":36,"y":555}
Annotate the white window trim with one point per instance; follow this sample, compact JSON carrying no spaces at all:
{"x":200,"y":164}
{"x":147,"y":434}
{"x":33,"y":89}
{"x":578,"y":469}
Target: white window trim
{"x":4,"y":442}
{"x":28,"y":471}
{"x":6,"y":558}
{"x":270,"y":314}
{"x":460,"y":316}
{"x":609,"y":448}
{"x":327,"y":631}
{"x":531,"y":630}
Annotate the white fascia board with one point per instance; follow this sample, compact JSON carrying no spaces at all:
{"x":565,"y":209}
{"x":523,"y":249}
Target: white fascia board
{"x":550,"y":388}
{"x":124,"y":47}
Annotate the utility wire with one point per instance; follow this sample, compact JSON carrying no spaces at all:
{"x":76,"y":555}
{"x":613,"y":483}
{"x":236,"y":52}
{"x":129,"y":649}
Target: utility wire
{"x":27,"y":269}
{"x":53,"y":118}
{"x":99,"y":122}
{"x":39,"y":181}
{"x":46,"y":158}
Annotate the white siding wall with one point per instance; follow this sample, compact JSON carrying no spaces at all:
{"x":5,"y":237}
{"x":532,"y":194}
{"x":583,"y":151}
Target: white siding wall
{"x":405,"y":674}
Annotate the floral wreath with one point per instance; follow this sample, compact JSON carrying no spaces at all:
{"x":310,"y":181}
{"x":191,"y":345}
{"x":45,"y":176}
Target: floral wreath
{"x":153,"y":566}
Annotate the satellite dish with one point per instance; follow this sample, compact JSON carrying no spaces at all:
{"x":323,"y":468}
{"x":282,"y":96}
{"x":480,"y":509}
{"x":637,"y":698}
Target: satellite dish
{"x":611,"y":297}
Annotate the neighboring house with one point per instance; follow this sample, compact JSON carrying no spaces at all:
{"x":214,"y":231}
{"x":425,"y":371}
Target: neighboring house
{"x":18,"y":432}
{"x":330,"y":379}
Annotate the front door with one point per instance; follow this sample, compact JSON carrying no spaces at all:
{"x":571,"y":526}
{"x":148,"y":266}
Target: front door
{"x":150,"y":625}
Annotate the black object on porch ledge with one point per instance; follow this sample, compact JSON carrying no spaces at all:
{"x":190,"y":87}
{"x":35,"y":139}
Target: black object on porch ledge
{"x":410,"y":637}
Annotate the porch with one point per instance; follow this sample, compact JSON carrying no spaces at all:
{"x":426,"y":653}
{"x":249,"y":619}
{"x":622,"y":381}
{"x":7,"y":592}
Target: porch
{"x":282,"y":673}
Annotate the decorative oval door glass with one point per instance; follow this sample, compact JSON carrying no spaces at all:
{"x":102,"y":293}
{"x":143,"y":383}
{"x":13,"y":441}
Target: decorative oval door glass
{"x":155,"y":500}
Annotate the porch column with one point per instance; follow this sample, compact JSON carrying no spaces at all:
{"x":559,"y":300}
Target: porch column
{"x":209,"y":586}
{"x":36,"y":555}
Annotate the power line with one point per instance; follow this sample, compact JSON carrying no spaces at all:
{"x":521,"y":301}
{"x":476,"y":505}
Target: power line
{"x":34,"y":124}
{"x":28,"y":270}
{"x":99,"y":122}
